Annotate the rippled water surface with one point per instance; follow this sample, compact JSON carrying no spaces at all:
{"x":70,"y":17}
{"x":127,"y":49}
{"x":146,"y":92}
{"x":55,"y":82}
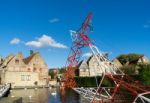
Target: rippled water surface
{"x":45,"y":95}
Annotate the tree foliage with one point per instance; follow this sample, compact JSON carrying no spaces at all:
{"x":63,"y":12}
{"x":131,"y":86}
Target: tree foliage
{"x":62,"y":70}
{"x":51,"y":73}
{"x":129,"y":69}
{"x":124,"y":58}
{"x":144,"y":74}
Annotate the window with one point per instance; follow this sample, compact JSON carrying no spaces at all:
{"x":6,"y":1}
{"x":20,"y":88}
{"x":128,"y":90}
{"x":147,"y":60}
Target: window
{"x":25,"y":77}
{"x":28,"y":77}
{"x":17,"y":61}
{"x":22,"y":77}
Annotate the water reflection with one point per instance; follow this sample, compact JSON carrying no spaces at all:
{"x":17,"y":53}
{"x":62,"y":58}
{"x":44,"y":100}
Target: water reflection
{"x":44,"y":95}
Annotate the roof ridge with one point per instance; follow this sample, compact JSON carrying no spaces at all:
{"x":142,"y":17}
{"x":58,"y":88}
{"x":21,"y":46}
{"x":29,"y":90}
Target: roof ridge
{"x":29,"y":58}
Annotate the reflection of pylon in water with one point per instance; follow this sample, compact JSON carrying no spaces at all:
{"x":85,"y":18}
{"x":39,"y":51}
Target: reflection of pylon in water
{"x":122,"y":85}
{"x":62,"y":91}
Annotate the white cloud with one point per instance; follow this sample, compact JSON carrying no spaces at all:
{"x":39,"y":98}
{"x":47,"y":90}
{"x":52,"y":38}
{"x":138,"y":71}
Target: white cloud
{"x":87,"y":54}
{"x":15,"y":41}
{"x":54,"y":20}
{"x":45,"y":41}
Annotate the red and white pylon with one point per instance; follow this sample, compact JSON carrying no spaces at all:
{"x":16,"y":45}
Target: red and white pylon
{"x":101,"y":94}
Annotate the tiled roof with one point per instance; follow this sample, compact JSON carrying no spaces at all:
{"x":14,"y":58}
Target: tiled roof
{"x":7,"y":60}
{"x":89,"y":59}
{"x":79,"y":64}
{"x":28,"y":59}
{"x":136,"y":60}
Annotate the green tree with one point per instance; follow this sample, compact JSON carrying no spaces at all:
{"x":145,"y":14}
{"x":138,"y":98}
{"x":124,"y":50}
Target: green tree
{"x":129,"y":69}
{"x":124,"y":58}
{"x":51,"y":73}
{"x":62,"y":70}
{"x":144,"y":73}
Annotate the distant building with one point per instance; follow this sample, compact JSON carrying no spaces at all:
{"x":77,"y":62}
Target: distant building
{"x":22,"y":72}
{"x":117,"y":63}
{"x":91,"y":67}
{"x":141,"y":60}
{"x":94,"y":68}
{"x":83,"y":68}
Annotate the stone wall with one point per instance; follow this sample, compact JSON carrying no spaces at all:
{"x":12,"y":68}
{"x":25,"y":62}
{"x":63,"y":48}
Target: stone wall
{"x":20,"y":71}
{"x":18,"y":79}
{"x":94,"y":67}
{"x":83,"y":69}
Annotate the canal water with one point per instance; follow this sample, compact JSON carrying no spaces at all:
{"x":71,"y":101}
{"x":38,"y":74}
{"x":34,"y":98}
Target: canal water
{"x":46,"y":95}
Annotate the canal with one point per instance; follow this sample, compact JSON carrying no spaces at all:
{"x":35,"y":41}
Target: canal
{"x":46,"y":95}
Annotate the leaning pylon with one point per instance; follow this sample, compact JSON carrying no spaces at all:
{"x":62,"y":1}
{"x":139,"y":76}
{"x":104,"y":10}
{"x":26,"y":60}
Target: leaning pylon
{"x":124,"y":89}
{"x":80,"y":40}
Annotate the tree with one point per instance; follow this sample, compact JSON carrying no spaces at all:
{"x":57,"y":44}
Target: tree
{"x":129,"y":69}
{"x":144,"y":73}
{"x":124,"y":58}
{"x":62,"y":70}
{"x":51,"y":73}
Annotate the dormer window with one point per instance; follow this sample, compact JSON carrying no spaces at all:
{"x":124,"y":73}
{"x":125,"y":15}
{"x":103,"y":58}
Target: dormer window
{"x":16,"y":61}
{"x":34,"y":69}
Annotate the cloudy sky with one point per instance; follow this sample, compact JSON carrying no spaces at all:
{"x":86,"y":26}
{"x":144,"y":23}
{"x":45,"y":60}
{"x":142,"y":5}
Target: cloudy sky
{"x":119,"y":26}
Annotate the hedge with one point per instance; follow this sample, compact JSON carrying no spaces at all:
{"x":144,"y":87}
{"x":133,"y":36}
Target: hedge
{"x":91,"y":81}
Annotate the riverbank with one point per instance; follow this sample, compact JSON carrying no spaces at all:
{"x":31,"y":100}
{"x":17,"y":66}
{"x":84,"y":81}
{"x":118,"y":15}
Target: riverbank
{"x":29,"y":87}
{"x":11,"y":100}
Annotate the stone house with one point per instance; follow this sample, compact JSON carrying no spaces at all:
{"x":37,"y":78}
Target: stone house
{"x":140,"y":60}
{"x":24,"y":72}
{"x":83,"y":68}
{"x":143,"y":59}
{"x":92,"y":68}
{"x":117,"y":63}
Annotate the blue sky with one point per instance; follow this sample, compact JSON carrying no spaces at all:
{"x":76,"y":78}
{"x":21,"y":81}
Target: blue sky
{"x":120,"y":26}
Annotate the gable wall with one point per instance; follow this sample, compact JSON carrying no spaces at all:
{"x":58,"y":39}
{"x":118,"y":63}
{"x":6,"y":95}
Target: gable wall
{"x":16,"y":64}
{"x":94,"y":67}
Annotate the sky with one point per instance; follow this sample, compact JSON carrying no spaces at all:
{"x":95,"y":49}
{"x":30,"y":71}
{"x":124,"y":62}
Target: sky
{"x":119,"y":27}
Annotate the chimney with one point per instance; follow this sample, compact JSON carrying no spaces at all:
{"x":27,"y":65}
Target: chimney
{"x":31,"y":52}
{"x":20,"y":53}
